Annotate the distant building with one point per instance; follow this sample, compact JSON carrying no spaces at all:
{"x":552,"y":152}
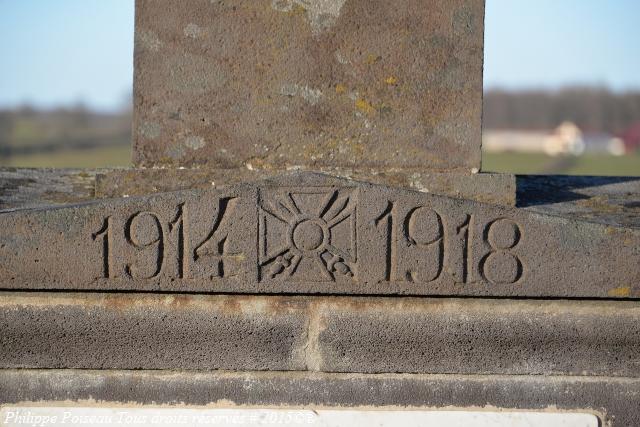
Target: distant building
{"x":565,"y":139}
{"x":631,"y":138}
{"x":599,"y":143}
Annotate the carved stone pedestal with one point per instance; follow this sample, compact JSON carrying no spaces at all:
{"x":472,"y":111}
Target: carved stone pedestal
{"x":306,"y":227}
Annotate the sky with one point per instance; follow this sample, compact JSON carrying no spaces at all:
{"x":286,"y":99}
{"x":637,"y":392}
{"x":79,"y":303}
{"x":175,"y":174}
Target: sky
{"x":64,"y":52}
{"x":551,"y":43}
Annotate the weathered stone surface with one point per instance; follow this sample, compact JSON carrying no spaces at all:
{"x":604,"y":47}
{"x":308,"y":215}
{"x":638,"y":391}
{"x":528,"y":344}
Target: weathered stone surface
{"x":604,"y":200}
{"x":273,"y":83}
{"x":26,"y":188}
{"x":329,"y":334}
{"x":387,"y":92}
{"x":152,"y":331}
{"x":310,"y":233}
{"x":493,"y":188}
{"x":479,"y":337}
{"x":614,"y":400}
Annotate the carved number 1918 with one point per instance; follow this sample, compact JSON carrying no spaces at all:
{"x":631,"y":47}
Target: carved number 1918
{"x":424,"y":227}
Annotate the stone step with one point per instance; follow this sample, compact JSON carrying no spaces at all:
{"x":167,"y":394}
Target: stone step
{"x":328,"y":334}
{"x":611,"y":399}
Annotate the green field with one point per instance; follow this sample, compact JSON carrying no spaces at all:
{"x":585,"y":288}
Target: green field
{"x":59,"y":138}
{"x":100,"y":157}
{"x":628,"y":165}
{"x":607,"y":165}
{"x":120,"y":155}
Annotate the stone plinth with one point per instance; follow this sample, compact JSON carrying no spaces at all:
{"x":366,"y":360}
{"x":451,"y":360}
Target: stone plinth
{"x":320,"y":169}
{"x":613,"y":400}
{"x":315,"y":234}
{"x":328,"y":334}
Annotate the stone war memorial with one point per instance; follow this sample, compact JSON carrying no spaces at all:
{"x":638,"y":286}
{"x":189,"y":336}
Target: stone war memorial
{"x":306,"y":225}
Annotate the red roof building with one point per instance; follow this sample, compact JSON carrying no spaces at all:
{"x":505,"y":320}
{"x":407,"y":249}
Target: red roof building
{"x":631,"y":137}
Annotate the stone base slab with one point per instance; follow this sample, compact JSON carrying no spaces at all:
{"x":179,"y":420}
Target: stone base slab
{"x":615,"y":401}
{"x":328,"y":334}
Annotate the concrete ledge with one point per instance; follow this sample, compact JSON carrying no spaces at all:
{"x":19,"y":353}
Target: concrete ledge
{"x":615,"y":400}
{"x":330,"y":334}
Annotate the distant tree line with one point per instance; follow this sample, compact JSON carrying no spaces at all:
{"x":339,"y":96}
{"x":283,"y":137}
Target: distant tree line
{"x":6,"y":125}
{"x":592,"y":109}
{"x":27,"y":130}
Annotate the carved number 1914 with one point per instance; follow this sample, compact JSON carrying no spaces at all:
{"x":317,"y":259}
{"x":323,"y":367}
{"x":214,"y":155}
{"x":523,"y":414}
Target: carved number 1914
{"x":147,"y":233}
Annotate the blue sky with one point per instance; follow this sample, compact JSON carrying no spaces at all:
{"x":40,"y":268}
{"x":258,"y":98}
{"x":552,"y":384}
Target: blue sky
{"x":64,"y":51}
{"x":548,"y":43}
{"x":61,"y":52}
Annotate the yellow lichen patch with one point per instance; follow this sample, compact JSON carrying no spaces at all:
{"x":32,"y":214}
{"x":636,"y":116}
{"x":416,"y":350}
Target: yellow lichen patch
{"x":297,"y":9}
{"x":384,"y":108}
{"x":624,"y":291}
{"x":332,"y":144}
{"x":364,"y":106}
{"x":618,"y":232}
{"x":372,"y":59}
{"x":258,"y":163}
{"x":600,"y":203}
{"x":352,"y":147}
{"x":340,"y":89}
{"x":391,"y":80}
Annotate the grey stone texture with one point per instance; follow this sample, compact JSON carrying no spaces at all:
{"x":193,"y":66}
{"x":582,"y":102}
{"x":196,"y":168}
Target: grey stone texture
{"x":328,"y":334}
{"x":480,"y":337}
{"x":244,"y":94}
{"x":22,"y":188}
{"x":310,"y":233}
{"x":338,"y":83}
{"x":495,"y":188}
{"x":605,"y":200}
{"x":613,"y":400}
{"x":107,"y":331}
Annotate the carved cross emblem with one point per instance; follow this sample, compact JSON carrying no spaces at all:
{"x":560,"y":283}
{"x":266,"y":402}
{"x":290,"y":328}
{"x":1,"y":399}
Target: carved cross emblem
{"x":308,"y":235}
